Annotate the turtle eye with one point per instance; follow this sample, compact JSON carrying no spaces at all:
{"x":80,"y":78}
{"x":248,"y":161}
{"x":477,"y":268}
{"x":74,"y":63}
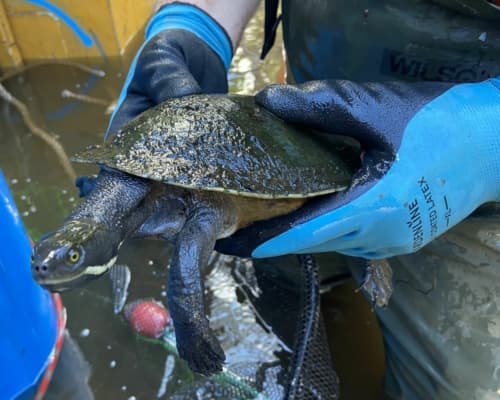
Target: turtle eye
{"x":73,"y":256}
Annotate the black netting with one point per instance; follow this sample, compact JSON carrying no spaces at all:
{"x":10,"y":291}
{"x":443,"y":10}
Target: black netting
{"x":318,"y":379}
{"x":291,"y":357}
{"x":290,"y":304}
{"x":311,"y":373}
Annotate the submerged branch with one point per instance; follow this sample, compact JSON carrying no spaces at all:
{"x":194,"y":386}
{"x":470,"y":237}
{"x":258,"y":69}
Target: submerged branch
{"x":110,"y":105}
{"x":68,"y":94}
{"x":94,"y":71}
{"x":37,"y":131}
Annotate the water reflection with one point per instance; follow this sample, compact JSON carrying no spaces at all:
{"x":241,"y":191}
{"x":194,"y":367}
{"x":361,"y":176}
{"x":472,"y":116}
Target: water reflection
{"x":123,"y":367}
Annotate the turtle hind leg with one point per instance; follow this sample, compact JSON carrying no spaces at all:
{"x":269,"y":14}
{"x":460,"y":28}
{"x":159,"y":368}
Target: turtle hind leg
{"x":196,"y":342}
{"x":377,"y":283}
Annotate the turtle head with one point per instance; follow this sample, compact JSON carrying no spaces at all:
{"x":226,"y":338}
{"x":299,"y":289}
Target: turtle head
{"x":75,"y":253}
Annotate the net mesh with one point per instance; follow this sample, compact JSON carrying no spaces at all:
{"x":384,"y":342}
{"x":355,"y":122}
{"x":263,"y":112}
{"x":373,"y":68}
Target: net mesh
{"x":311,"y":373}
{"x":307,"y":371}
{"x":288,"y":356}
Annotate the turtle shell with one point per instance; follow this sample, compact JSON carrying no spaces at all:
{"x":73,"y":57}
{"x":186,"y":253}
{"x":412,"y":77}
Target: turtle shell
{"x":222,"y":143}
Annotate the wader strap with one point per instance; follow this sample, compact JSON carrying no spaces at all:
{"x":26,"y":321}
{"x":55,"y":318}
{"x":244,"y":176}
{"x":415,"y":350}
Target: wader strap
{"x":271,"y":22}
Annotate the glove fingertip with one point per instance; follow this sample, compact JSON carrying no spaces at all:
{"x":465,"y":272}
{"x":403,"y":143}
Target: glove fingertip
{"x":270,"y":95}
{"x":285,"y":101}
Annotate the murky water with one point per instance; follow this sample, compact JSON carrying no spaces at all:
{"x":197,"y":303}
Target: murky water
{"x":124,"y":366}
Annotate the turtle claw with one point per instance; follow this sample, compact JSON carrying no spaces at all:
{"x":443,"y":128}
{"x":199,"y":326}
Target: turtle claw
{"x":85,"y":184}
{"x":202,"y":352}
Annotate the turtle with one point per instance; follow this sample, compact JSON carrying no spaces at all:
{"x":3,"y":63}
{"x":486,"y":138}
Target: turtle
{"x":189,"y":171}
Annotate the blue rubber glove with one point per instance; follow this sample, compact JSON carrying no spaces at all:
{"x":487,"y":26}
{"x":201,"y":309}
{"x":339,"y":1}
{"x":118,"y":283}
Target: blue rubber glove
{"x":432,"y":156}
{"x":185,"y":52}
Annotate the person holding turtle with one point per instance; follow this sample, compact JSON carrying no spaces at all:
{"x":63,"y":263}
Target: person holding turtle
{"x":417,"y":83}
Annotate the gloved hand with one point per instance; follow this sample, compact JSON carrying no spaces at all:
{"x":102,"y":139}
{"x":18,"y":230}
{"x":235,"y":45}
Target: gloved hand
{"x":185,"y":52}
{"x":432,"y":155}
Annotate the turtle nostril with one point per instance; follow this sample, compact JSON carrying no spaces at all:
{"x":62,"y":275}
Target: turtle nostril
{"x":40,"y":270}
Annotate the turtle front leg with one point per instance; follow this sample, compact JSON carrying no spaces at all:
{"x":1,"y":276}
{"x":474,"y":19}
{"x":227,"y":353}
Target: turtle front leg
{"x":196,"y":342}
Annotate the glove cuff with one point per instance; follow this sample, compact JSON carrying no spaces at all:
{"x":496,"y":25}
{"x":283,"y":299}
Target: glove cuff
{"x":483,"y":120}
{"x":494,"y":149}
{"x":198,"y":22}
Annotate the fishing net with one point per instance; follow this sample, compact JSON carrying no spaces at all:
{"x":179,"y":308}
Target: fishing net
{"x":273,"y":336}
{"x":309,"y":371}
{"x":311,"y":374}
